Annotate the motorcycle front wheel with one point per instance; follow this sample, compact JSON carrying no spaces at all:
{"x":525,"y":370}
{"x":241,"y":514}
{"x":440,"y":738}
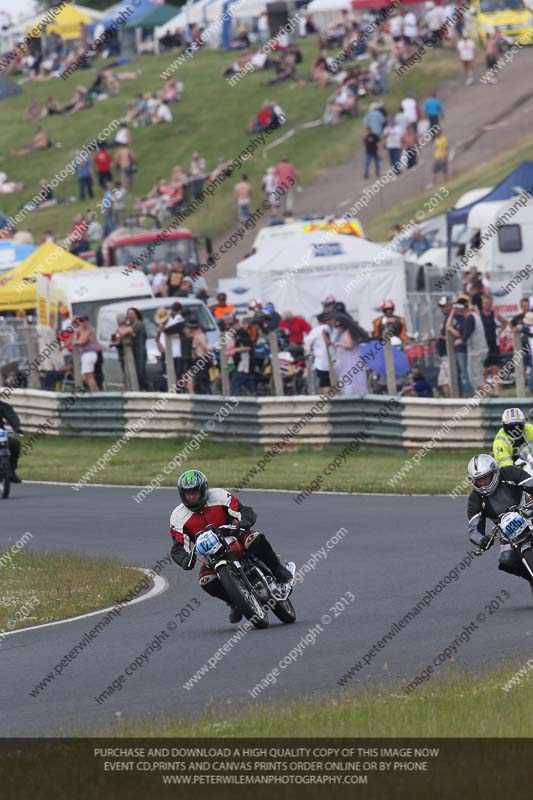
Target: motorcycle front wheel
{"x":5,"y":478}
{"x":242,"y":596}
{"x":527,"y":557}
{"x":284,"y":611}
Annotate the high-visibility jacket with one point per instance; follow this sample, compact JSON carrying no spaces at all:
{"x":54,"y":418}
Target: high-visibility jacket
{"x":505,"y":451}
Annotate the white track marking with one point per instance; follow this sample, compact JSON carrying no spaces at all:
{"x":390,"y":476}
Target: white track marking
{"x":285,"y":491}
{"x":160,"y":586}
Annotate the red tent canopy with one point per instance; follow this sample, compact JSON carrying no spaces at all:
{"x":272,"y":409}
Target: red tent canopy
{"x":360,"y":4}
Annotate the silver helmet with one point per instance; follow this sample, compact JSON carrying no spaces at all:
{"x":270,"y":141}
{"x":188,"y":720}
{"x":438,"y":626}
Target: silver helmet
{"x":483,"y":473}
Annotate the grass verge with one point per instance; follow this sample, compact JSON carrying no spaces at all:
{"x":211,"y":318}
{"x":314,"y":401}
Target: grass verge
{"x":226,"y":464}
{"x":42,"y":587}
{"x":458,"y":706}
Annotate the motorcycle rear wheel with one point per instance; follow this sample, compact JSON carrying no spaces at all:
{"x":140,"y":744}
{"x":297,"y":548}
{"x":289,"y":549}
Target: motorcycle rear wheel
{"x":242,"y":595}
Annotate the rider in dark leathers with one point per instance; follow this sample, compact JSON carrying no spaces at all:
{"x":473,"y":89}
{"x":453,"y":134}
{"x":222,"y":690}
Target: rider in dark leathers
{"x":9,"y":415}
{"x":511,"y":486}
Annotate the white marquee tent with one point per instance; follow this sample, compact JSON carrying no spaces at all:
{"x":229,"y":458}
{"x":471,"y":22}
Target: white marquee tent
{"x":296,"y":274}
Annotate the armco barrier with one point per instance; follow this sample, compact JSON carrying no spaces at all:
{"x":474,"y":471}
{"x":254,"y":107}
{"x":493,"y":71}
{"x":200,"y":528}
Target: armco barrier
{"x":99,"y":414}
{"x":394,"y":424}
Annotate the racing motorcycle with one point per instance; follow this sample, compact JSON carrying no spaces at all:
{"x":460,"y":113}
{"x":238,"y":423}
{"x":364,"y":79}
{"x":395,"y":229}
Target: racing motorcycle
{"x":514,"y":529}
{"x":525,"y":459}
{"x":248,"y":582}
{"x":5,"y":465}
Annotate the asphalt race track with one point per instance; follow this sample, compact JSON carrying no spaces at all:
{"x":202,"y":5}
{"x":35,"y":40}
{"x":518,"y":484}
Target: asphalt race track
{"x":395,"y":550}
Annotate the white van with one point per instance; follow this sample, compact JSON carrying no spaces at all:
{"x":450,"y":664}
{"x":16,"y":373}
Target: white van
{"x":501,"y":235}
{"x":83,"y":292}
{"x":107,"y":325}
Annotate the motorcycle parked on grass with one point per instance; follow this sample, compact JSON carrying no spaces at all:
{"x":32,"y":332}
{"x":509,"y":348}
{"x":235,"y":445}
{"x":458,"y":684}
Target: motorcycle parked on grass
{"x":514,"y":529}
{"x":248,"y":582}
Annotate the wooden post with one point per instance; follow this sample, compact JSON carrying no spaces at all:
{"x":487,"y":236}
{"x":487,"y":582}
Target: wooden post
{"x":310,"y":374}
{"x":224,"y":375}
{"x":519,"y":371}
{"x":390,"y":373}
{"x":169,"y":363}
{"x":452,"y":364}
{"x":274,"y":360}
{"x":76,"y":366}
{"x":33,"y":355}
{"x":331,"y":368}
{"x":130,"y":371}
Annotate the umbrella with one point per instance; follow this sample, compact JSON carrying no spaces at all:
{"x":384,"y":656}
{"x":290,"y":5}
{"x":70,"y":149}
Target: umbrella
{"x":376,"y":350}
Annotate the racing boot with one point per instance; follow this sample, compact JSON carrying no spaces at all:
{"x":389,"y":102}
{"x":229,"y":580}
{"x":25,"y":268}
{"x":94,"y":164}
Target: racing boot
{"x":14,"y":477}
{"x":261,"y":547}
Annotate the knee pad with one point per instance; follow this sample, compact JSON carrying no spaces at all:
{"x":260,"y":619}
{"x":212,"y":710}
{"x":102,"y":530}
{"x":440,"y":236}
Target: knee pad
{"x":213,"y":587}
{"x":251,"y":537}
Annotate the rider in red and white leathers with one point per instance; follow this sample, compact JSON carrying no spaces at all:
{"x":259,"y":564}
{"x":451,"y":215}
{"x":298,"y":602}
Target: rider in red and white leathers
{"x":221,"y":508}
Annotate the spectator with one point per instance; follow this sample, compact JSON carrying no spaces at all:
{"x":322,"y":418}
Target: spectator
{"x":243,"y":198}
{"x":347,"y":355}
{"x":409,"y":144}
{"x":77,"y":239}
{"x":297,"y":327}
{"x":410,"y":28}
{"x":186,"y":288}
{"x":162,"y":113}
{"x":175,"y":324}
{"x":396,"y":26}
{"x":103,"y":161}
{"x":263,"y":28}
{"x":84,"y":175}
{"x":392,"y":135}
{"x":160,"y":281}
{"x":476,"y":344}
{"x":242,"y":352}
{"x":125,"y":161}
{"x":419,"y":387}
{"x":456,"y":326}
{"x":417,"y":242}
{"x":491,"y":319}
{"x":95,"y":231}
{"x":371,"y":142}
{"x":201,"y":356}
{"x":88,"y":345}
{"x":411,"y":109}
{"x":374,"y":119}
{"x":269,"y":185}
{"x":440,"y":153}
{"x":107,"y":205}
{"x":491,"y":57}
{"x":316,"y":343}
{"x":467,"y":53}
{"x":221,"y":306}
{"x":433,"y":109}
{"x":287,"y":176}
{"x":40,"y":141}
{"x":175,"y":278}
{"x":119,"y":204}
{"x":443,"y":378}
{"x":435,"y":18}
{"x":123,"y":136}
{"x":135,"y":327}
{"x":197,"y":171}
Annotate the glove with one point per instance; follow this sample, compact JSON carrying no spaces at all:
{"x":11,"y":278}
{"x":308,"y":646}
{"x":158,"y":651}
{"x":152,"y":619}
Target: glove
{"x":482,"y":544}
{"x":182,"y":558}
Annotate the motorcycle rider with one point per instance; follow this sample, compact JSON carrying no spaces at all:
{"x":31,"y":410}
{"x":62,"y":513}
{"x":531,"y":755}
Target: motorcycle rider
{"x":514,"y":434}
{"x":9,"y":415}
{"x":495,"y":490}
{"x":201,"y":506}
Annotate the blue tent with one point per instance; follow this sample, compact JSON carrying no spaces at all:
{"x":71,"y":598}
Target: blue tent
{"x":127,"y":12}
{"x":12,"y":253}
{"x":521,"y":177}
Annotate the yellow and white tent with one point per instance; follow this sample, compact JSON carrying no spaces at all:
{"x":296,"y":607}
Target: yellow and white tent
{"x":18,"y":287}
{"x":68,"y":21}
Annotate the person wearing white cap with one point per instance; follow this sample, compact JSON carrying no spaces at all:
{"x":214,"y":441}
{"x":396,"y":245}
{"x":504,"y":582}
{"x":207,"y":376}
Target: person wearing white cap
{"x":443,"y":379}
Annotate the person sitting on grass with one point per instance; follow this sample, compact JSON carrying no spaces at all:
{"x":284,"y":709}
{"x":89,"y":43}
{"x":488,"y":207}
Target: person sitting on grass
{"x":419,"y":387}
{"x":40,"y":141}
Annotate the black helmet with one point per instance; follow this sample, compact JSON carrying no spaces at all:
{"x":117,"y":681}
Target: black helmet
{"x":190,"y":481}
